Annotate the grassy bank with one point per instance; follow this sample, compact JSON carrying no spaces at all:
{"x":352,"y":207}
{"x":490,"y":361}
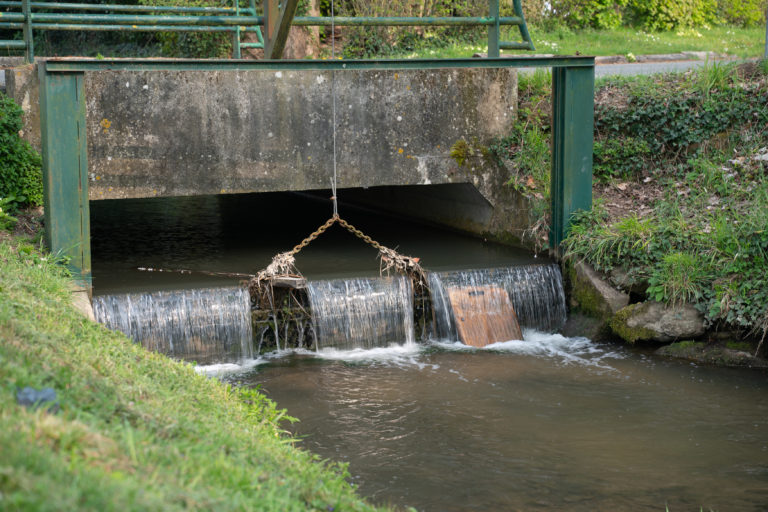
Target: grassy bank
{"x":681,"y":187}
{"x":136,"y":430}
{"x":740,"y":42}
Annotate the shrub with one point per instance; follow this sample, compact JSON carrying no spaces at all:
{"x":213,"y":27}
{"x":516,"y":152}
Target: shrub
{"x":21,"y":181}
{"x":601,"y":14}
{"x":671,"y":14}
{"x":745,"y":13}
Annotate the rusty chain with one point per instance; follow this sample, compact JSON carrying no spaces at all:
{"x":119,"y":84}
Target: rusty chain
{"x":330,"y":222}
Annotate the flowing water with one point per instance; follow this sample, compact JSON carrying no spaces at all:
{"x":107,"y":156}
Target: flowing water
{"x":203,"y":325}
{"x":362,"y":313}
{"x":544,"y":423}
{"x":548,"y":423}
{"x":536,"y":292}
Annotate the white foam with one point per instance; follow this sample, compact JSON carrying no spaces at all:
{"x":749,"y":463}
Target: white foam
{"x":213,"y":370}
{"x":577,"y":350}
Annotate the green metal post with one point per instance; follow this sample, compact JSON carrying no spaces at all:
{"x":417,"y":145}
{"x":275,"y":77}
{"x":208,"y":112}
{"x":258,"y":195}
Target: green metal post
{"x":65,"y":169}
{"x":573,"y":114}
{"x":494,"y":33}
{"x":236,"y":35}
{"x":29,"y":54}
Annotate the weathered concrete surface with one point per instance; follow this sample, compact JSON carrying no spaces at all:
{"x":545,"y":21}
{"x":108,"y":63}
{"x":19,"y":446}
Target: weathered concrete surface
{"x":23,"y":85}
{"x":187,"y":133}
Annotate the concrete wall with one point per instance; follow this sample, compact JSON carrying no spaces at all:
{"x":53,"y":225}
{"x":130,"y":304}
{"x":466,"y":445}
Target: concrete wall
{"x":189,"y":133}
{"x":23,"y":85}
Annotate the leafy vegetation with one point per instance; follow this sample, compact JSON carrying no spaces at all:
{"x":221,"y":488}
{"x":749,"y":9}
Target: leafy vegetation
{"x":704,"y":240}
{"x":136,"y":430}
{"x":21,"y":182}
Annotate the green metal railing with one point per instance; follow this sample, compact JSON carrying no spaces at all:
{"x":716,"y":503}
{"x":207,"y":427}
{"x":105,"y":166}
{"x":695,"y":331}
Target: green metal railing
{"x":271,"y":29}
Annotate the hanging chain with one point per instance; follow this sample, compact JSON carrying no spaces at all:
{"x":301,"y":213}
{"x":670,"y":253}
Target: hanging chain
{"x":330,"y":222}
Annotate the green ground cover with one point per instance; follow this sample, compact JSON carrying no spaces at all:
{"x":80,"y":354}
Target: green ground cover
{"x":681,"y":186}
{"x":736,"y":41}
{"x":136,"y":430}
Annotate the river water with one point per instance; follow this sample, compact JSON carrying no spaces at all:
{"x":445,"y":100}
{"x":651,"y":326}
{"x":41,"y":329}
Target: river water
{"x":547,"y":423}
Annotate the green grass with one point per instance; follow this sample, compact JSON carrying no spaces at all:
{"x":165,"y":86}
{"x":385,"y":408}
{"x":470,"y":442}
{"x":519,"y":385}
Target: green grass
{"x":136,"y":431}
{"x":736,"y":41}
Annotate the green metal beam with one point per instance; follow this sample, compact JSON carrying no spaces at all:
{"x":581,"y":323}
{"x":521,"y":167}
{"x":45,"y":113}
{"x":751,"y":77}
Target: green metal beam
{"x":29,"y":54}
{"x":278,"y":26}
{"x":65,"y":169}
{"x":572,"y":139}
{"x":12,"y":44}
{"x":138,"y":19}
{"x":494,"y":32}
{"x":80,"y":65}
{"x":518,"y":6}
{"x":128,"y":28}
{"x":68,"y":6}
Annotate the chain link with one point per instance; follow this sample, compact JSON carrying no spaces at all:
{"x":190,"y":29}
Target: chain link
{"x":330,"y":222}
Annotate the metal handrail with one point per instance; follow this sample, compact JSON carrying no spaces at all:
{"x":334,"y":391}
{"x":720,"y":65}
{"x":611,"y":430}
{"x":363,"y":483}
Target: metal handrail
{"x":236,"y":20}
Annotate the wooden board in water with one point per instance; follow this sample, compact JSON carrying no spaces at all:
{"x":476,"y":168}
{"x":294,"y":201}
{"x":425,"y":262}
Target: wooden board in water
{"x":484,"y":315}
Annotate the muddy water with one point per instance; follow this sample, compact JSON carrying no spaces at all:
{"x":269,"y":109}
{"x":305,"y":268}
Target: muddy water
{"x":550,"y":423}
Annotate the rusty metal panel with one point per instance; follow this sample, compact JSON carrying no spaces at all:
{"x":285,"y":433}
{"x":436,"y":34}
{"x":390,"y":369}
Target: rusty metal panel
{"x":484,"y":315}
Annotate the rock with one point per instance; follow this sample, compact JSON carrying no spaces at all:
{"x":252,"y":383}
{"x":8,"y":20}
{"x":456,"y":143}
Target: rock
{"x":36,"y":398}
{"x":654,"y":321}
{"x":594,"y":295}
{"x":711,"y":353}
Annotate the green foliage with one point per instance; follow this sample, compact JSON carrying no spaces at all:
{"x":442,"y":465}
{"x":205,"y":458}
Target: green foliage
{"x":744,"y":13}
{"x":672,"y":14}
{"x":21,"y":181}
{"x":673,"y":115}
{"x":136,"y":431}
{"x":620,"y":157}
{"x":7,"y":221}
{"x":680,"y":278}
{"x":368,"y":42}
{"x":600,"y":14}
{"x":193,"y":44}
{"x":705,"y":243}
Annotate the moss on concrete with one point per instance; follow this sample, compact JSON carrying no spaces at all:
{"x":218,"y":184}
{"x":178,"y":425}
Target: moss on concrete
{"x":620,"y":327}
{"x":583,"y":295}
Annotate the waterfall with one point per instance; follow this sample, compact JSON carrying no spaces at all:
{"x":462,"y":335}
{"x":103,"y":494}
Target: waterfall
{"x":362,"y":313}
{"x":536,"y":292}
{"x":204,"y":325}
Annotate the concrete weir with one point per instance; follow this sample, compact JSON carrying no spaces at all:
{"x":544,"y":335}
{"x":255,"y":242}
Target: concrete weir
{"x":116,"y":129}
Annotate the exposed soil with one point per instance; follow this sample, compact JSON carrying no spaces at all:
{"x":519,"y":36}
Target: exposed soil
{"x":30,"y":222}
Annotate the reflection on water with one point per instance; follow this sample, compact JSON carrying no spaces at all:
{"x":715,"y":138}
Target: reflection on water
{"x":241,"y":233}
{"x":550,"y":423}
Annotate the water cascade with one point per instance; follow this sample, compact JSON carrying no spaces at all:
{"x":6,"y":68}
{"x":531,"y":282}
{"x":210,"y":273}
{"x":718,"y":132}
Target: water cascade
{"x":204,"y":325}
{"x":536,"y":292}
{"x":362,"y":313}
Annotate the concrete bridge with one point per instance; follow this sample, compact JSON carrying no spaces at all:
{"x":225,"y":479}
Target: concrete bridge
{"x":113,"y":129}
